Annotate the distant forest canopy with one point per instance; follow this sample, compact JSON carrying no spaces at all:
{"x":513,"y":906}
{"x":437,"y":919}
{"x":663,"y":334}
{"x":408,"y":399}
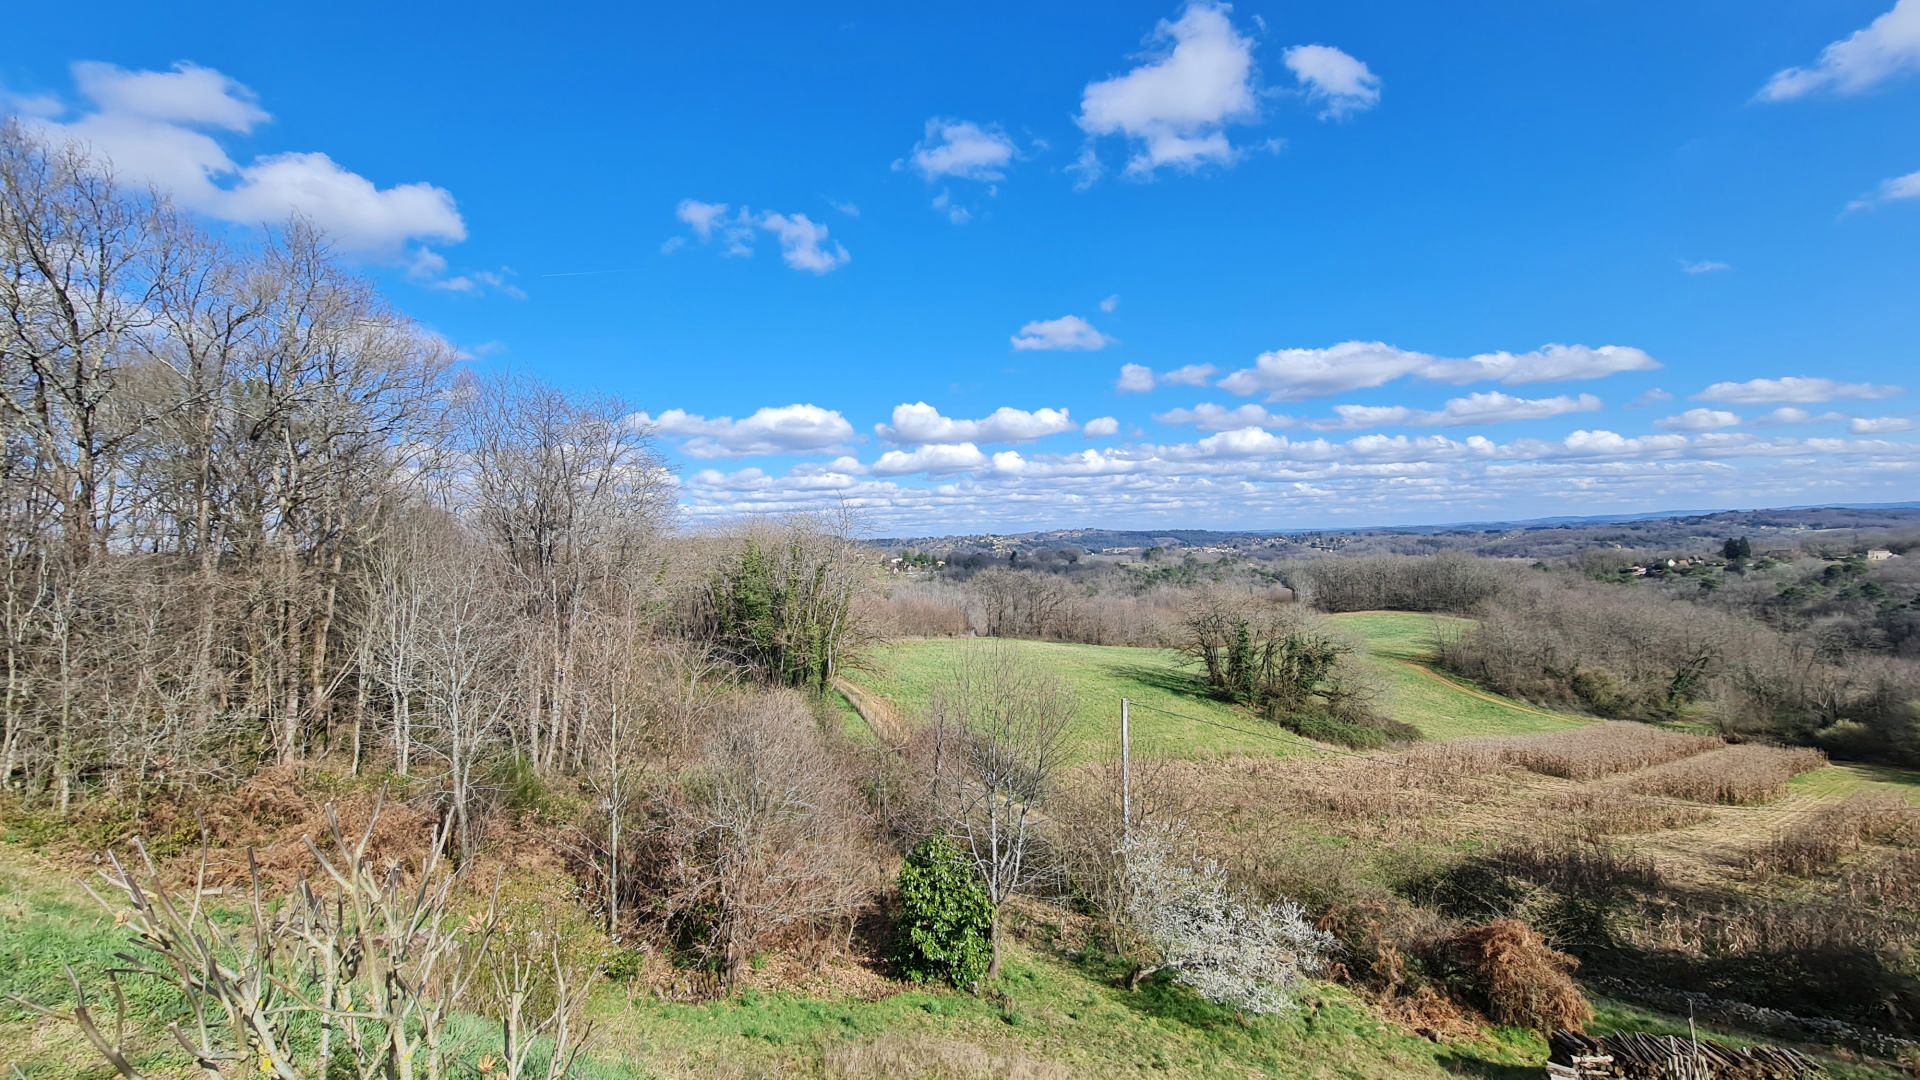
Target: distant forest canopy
{"x":1832,"y":529}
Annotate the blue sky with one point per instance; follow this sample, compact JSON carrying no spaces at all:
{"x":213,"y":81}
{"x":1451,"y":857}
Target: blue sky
{"x":999,"y":266}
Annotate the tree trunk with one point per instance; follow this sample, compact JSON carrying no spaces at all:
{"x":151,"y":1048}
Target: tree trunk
{"x":993,"y":946}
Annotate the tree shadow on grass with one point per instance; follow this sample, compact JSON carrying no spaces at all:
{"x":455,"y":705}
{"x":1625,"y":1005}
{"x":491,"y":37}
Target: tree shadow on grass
{"x":1169,"y":680}
{"x":1157,"y":996}
{"x":1465,"y":1064}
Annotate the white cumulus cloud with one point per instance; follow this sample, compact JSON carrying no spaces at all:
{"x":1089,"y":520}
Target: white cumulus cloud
{"x":962,"y":148}
{"x":1211,"y":417}
{"x":1878,"y":425}
{"x":1101,"y":427}
{"x":1341,"y":84}
{"x":1490,"y":407}
{"x":1174,"y":108}
{"x":932,"y":458}
{"x":1894,"y":190}
{"x":1549,"y":363}
{"x":1792,"y":389}
{"x":1292,"y":374}
{"x":1138,"y":378}
{"x":154,"y":127}
{"x":189,"y":94}
{"x":1134,"y":379}
{"x":804,"y":243}
{"x":1699,"y":420}
{"x":785,"y":429}
{"x":1065,"y":332}
{"x":1887,"y":47}
{"x":1612,"y":443}
{"x":922,"y":423}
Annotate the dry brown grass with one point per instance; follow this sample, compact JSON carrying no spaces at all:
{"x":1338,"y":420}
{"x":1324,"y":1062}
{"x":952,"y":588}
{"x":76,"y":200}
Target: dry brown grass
{"x":1734,"y":775}
{"x":1367,"y":798}
{"x":1831,"y":835}
{"x":275,"y":812}
{"x":1456,"y":758}
{"x":1611,"y":811}
{"x":1889,"y":883}
{"x":1594,"y":751}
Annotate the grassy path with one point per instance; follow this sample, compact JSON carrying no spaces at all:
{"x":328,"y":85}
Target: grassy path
{"x":1397,"y":645}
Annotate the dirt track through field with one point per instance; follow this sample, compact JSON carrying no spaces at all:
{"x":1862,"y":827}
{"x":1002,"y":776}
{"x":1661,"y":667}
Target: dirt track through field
{"x":878,"y":715}
{"x":1472,"y":691}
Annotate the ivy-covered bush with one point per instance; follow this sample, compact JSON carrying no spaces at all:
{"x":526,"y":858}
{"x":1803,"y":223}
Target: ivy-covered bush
{"x":946,"y":919}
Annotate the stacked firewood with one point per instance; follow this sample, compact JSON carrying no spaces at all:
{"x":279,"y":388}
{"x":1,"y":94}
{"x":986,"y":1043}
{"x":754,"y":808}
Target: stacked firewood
{"x":1635,"y":1056}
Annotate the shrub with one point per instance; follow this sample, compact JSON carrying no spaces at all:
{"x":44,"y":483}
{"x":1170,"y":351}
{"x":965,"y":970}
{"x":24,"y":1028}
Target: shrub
{"x":1445,"y":582}
{"x":1621,"y":654}
{"x":1510,"y":971}
{"x":1364,"y":732}
{"x":520,"y":790}
{"x":1227,"y":947}
{"x":768,"y":841}
{"x":946,"y":918}
{"x":1383,"y":941}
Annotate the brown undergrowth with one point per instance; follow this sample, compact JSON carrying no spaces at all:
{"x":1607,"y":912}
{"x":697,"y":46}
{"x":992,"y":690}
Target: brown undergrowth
{"x":1636,"y":871}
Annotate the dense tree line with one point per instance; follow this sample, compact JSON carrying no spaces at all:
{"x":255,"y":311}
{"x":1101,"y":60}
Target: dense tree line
{"x":1445,"y":582}
{"x":1651,"y":654}
{"x":253,"y":515}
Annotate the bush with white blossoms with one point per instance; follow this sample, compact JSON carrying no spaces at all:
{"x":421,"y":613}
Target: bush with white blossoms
{"x":1229,"y":948}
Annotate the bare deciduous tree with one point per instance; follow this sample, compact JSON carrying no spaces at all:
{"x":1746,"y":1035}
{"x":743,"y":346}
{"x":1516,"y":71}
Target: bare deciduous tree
{"x":770,"y":837}
{"x":1000,"y":728}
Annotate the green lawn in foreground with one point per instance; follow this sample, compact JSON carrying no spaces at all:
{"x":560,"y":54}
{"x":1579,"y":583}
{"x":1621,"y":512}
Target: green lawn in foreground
{"x":905,"y":673}
{"x":1055,"y":1017}
{"x":1397,"y":644}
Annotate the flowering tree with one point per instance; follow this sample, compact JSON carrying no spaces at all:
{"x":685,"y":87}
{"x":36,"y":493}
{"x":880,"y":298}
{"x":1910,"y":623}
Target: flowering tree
{"x":1228,"y":948}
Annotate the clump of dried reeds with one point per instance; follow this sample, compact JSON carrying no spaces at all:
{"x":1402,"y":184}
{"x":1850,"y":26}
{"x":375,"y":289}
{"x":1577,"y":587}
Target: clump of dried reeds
{"x":1734,"y":775}
{"x":1825,"y":838}
{"x":1595,"y":750}
{"x":1610,"y":811}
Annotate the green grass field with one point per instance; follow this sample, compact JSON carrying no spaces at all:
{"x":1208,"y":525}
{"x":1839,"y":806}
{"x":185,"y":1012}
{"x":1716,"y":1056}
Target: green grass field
{"x":1393,"y":644}
{"x":1397,"y":643}
{"x":906,"y":673}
